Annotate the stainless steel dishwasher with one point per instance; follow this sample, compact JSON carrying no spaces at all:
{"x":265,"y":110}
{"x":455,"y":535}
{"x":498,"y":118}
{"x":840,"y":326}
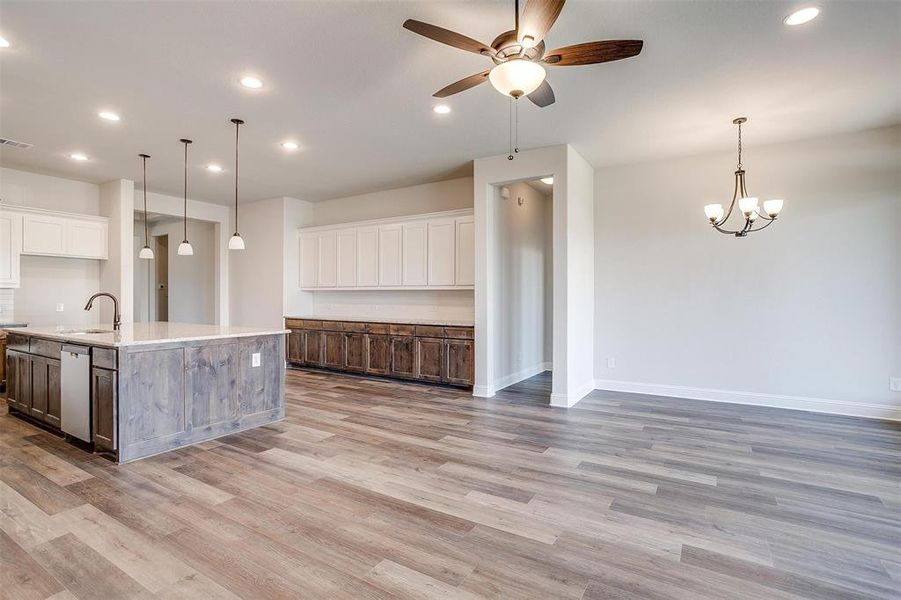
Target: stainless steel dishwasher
{"x":75,"y":398}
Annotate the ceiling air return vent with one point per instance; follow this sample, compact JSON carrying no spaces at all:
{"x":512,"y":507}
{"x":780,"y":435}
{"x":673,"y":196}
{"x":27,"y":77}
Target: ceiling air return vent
{"x":15,"y":144}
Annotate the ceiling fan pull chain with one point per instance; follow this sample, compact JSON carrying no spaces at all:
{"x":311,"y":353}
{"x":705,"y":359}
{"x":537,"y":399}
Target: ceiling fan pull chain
{"x":516,"y":130}
{"x":510,"y":136}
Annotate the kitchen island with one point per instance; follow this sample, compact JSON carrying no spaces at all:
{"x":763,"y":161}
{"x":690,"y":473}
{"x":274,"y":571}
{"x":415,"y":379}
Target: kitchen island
{"x":149,"y":387}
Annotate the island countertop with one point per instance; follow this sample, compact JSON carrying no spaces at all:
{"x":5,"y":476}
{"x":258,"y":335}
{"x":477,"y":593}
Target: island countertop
{"x":132,"y":334}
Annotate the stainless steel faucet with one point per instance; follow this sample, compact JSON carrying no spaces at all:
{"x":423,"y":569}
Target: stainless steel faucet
{"x":117,"y":318}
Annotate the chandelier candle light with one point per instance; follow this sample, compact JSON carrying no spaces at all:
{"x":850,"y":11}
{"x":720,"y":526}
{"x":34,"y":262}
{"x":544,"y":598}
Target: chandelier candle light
{"x":236,"y":242}
{"x":748,"y":205}
{"x":146,"y":252}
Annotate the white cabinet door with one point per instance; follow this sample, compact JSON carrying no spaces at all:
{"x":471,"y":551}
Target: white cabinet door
{"x":328,"y":259}
{"x":43,"y":235}
{"x":466,"y":247}
{"x":415,"y":249}
{"x":87,"y":239}
{"x":309,"y":259}
{"x":10,"y":244}
{"x":390,"y":246}
{"x":368,"y":256}
{"x":347,"y":258}
{"x":441,"y":254}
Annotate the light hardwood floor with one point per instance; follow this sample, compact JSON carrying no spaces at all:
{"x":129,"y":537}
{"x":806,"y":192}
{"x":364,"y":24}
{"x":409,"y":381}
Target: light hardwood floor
{"x":375,"y":489}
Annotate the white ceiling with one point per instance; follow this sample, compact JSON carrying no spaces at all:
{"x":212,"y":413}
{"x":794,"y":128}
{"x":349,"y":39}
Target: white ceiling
{"x":353,"y":87}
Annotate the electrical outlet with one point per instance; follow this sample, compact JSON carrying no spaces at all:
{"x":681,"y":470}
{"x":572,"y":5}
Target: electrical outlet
{"x":894,"y":384}
{"x":611,"y":363}
{"x":60,"y":307}
{"x":255,"y":359}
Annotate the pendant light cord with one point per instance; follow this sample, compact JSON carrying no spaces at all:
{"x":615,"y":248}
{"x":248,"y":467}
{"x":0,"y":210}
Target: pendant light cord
{"x":739,"y":146}
{"x":146,"y":235}
{"x":510,"y":132}
{"x":516,"y":127}
{"x":516,"y":11}
{"x":186,"y":191}
{"x":237,"y":127}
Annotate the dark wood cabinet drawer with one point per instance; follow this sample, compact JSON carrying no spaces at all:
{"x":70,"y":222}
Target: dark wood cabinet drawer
{"x":332,"y":326}
{"x":15,"y":342}
{"x":355,"y":327}
{"x":460,"y":333}
{"x":379,"y":328}
{"x":430,"y":331}
{"x":402,"y":329}
{"x":312,"y":324}
{"x":105,"y":358}
{"x":293,"y":323}
{"x":46,"y":348}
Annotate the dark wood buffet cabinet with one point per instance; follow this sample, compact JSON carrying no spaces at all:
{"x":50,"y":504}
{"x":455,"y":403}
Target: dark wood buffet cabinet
{"x":428,"y":353}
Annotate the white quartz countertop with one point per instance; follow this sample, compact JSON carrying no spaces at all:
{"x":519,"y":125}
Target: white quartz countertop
{"x":390,"y":320}
{"x":132,"y":334}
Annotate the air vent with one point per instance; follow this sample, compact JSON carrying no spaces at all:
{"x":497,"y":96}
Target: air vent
{"x":15,"y":144}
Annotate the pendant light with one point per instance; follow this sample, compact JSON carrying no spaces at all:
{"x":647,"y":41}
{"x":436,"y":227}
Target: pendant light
{"x":747,"y":205}
{"x":236,"y":242}
{"x":185,"y":249}
{"x":146,"y":252}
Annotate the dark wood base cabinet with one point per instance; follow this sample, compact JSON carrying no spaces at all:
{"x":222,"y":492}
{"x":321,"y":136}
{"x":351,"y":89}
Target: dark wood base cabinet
{"x":34,"y":389}
{"x":428,"y":353}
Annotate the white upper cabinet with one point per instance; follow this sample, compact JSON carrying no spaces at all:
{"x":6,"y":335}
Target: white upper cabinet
{"x":431,"y":251}
{"x":87,"y":239}
{"x":347,"y":258}
{"x":367,"y":256}
{"x":50,"y":233}
{"x":415,"y":250}
{"x":10,"y":245}
{"x":328,"y":259}
{"x":309,"y":259}
{"x":441,"y":254}
{"x":390,"y":255}
{"x":43,"y":234}
{"x":465,"y":251}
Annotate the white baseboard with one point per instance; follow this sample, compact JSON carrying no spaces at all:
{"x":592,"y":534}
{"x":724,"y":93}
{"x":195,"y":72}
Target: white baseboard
{"x":509,"y":380}
{"x":569,"y":400}
{"x":821,"y":405}
{"x":482,"y":391}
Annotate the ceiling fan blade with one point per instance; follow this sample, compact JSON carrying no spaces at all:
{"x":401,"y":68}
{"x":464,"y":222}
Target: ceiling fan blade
{"x":462,"y":85}
{"x":591,"y":53}
{"x":544,"y":95}
{"x":446,"y":36}
{"x":537,"y":18}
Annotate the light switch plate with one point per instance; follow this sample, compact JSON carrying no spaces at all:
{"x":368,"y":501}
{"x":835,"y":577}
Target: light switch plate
{"x":60,"y":307}
{"x":255,"y":359}
{"x":611,"y":363}
{"x":894,"y":384}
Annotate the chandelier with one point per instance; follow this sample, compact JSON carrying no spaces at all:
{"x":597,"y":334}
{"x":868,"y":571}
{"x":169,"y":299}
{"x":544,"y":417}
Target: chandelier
{"x":747,"y":205}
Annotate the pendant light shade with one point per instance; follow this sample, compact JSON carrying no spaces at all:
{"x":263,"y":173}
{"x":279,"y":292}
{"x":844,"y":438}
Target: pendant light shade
{"x":236,"y":242}
{"x":146,"y":252}
{"x":185,"y":249}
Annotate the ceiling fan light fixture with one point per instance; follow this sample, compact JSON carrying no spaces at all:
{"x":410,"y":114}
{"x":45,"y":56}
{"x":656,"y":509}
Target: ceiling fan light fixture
{"x":517,"y":77}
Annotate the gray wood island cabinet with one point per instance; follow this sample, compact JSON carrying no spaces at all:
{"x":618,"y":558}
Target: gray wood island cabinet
{"x":154,"y":387}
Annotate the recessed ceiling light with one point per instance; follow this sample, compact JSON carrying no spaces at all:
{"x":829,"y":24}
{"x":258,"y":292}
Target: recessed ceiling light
{"x":108,"y":115}
{"x":251,"y":82}
{"x":442,"y":109}
{"x":547,"y":180}
{"x":78,"y":156}
{"x":214,"y":168}
{"x":3,"y":42}
{"x":802,"y":15}
{"x":289,"y":145}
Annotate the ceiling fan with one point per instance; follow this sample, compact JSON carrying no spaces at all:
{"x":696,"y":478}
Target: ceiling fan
{"x":519,"y":55}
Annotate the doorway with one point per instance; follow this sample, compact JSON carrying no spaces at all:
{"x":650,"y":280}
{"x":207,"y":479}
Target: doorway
{"x":523,"y":362}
